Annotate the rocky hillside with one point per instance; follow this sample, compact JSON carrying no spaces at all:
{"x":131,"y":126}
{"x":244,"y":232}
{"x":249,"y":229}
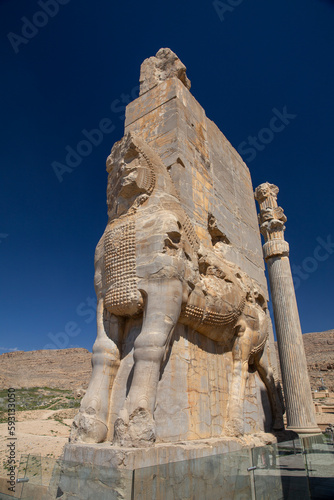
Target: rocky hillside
{"x":71,"y":368}
{"x":319,"y":349}
{"x":61,"y":368}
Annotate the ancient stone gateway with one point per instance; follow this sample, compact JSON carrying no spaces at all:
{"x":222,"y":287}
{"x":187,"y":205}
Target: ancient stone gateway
{"x":150,"y":265}
{"x":184,"y":348}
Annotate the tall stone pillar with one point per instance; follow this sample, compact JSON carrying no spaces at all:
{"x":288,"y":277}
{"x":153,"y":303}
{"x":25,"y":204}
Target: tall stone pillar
{"x":298,"y":397}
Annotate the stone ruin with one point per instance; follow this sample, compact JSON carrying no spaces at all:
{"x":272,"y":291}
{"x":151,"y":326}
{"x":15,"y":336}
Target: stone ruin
{"x":184,"y":350}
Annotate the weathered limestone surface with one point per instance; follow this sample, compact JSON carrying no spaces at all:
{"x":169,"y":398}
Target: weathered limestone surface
{"x":130,"y":458}
{"x":212,"y":468}
{"x":297,"y":390}
{"x":205,"y":169}
{"x":196,"y":378}
{"x":184,"y":340}
{"x":163,"y":66}
{"x":207,"y":469}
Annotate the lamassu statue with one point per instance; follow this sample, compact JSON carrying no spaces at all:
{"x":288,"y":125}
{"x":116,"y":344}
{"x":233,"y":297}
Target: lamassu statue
{"x":150,"y":265}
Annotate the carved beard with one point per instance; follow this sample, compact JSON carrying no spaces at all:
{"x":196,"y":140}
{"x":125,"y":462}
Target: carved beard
{"x":145,"y":179}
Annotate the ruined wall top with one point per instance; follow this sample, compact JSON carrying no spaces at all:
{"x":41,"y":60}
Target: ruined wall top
{"x":209,"y":175}
{"x":164,"y":65}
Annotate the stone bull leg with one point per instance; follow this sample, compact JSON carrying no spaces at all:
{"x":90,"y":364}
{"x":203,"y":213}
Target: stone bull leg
{"x":267,"y":376}
{"x":250,"y":346}
{"x":90,"y":424}
{"x":240,"y":357}
{"x":135,"y":427}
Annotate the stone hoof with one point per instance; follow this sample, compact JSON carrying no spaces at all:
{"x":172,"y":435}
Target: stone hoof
{"x":138,"y":432}
{"x":124,"y":415}
{"x":234,"y":429}
{"x":88,"y":429}
{"x":143,"y":403}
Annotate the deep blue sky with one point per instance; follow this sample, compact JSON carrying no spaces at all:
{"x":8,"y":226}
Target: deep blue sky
{"x":69,"y":75}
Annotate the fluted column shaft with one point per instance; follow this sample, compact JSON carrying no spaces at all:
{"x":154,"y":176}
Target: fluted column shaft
{"x":298,"y":397}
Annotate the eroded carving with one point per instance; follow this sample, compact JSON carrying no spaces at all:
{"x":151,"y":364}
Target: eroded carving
{"x":216,"y":234}
{"x":149,"y":263}
{"x":163,"y":66}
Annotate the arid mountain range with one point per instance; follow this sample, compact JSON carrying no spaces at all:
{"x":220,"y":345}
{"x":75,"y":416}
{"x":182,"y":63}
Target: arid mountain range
{"x":71,"y":368}
{"x":60,"y":368}
{"x":319,"y":349}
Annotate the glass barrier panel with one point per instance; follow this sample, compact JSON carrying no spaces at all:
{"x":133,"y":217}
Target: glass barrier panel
{"x":4,"y":496}
{"x":280,"y":472}
{"x":32,"y":481}
{"x":89,"y":482}
{"x":319,"y":462}
{"x":44,"y":478}
{"x":294,"y":470}
{"x":216,"y":477}
{"x":19,"y":473}
{"x":266,"y":475}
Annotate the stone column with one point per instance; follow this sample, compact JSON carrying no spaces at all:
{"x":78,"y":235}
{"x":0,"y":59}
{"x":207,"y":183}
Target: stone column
{"x":298,"y":397}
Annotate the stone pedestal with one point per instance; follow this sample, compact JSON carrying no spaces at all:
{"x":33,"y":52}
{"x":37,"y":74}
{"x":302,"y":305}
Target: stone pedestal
{"x":297,"y":391}
{"x":213,"y":468}
{"x":106,"y":455}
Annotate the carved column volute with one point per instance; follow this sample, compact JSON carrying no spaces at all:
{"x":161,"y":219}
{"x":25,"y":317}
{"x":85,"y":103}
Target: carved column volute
{"x":271,"y":220}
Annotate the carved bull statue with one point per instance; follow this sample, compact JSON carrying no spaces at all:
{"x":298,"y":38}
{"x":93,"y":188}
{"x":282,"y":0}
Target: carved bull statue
{"x":150,"y":263}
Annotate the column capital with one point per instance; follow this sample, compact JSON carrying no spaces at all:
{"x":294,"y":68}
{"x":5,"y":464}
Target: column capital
{"x":271,"y":221}
{"x":266,"y":192}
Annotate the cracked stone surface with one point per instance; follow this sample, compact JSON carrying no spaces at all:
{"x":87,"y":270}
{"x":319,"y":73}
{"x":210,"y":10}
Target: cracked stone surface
{"x":182,"y":314}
